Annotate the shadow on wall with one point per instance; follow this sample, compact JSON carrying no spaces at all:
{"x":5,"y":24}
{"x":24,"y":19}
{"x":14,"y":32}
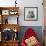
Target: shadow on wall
{"x":37,"y":29}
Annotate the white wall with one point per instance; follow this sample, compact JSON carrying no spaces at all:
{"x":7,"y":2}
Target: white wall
{"x":6,"y":3}
{"x":32,"y":3}
{"x":26,"y":3}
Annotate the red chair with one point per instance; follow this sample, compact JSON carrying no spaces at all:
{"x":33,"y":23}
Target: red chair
{"x":29,"y":33}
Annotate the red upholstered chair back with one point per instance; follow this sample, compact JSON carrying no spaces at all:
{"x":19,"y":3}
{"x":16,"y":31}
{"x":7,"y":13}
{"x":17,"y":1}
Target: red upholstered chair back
{"x":29,"y":33}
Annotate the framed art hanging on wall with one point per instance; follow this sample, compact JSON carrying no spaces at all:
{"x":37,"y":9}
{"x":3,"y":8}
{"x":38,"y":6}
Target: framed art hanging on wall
{"x":30,"y":13}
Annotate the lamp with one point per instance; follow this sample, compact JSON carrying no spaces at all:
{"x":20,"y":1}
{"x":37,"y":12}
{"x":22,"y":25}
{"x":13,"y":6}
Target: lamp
{"x":15,"y":3}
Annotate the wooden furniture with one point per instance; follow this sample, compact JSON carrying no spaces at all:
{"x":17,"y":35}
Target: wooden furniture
{"x":0,"y":43}
{"x":5,"y":13}
{"x":44,"y":12}
{"x":11,"y":26}
{"x":10,"y":43}
{"x":44,"y":36}
{"x":44,"y":22}
{"x":8,"y":11}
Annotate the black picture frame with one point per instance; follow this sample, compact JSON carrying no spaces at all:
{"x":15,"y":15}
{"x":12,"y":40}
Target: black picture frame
{"x":33,"y":11}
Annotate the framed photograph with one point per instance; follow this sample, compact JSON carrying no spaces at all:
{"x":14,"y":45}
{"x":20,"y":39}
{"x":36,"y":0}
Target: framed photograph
{"x":13,"y":12}
{"x":5,"y":12}
{"x":30,"y":13}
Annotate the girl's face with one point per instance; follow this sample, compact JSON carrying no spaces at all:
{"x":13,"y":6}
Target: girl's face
{"x":31,"y":41}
